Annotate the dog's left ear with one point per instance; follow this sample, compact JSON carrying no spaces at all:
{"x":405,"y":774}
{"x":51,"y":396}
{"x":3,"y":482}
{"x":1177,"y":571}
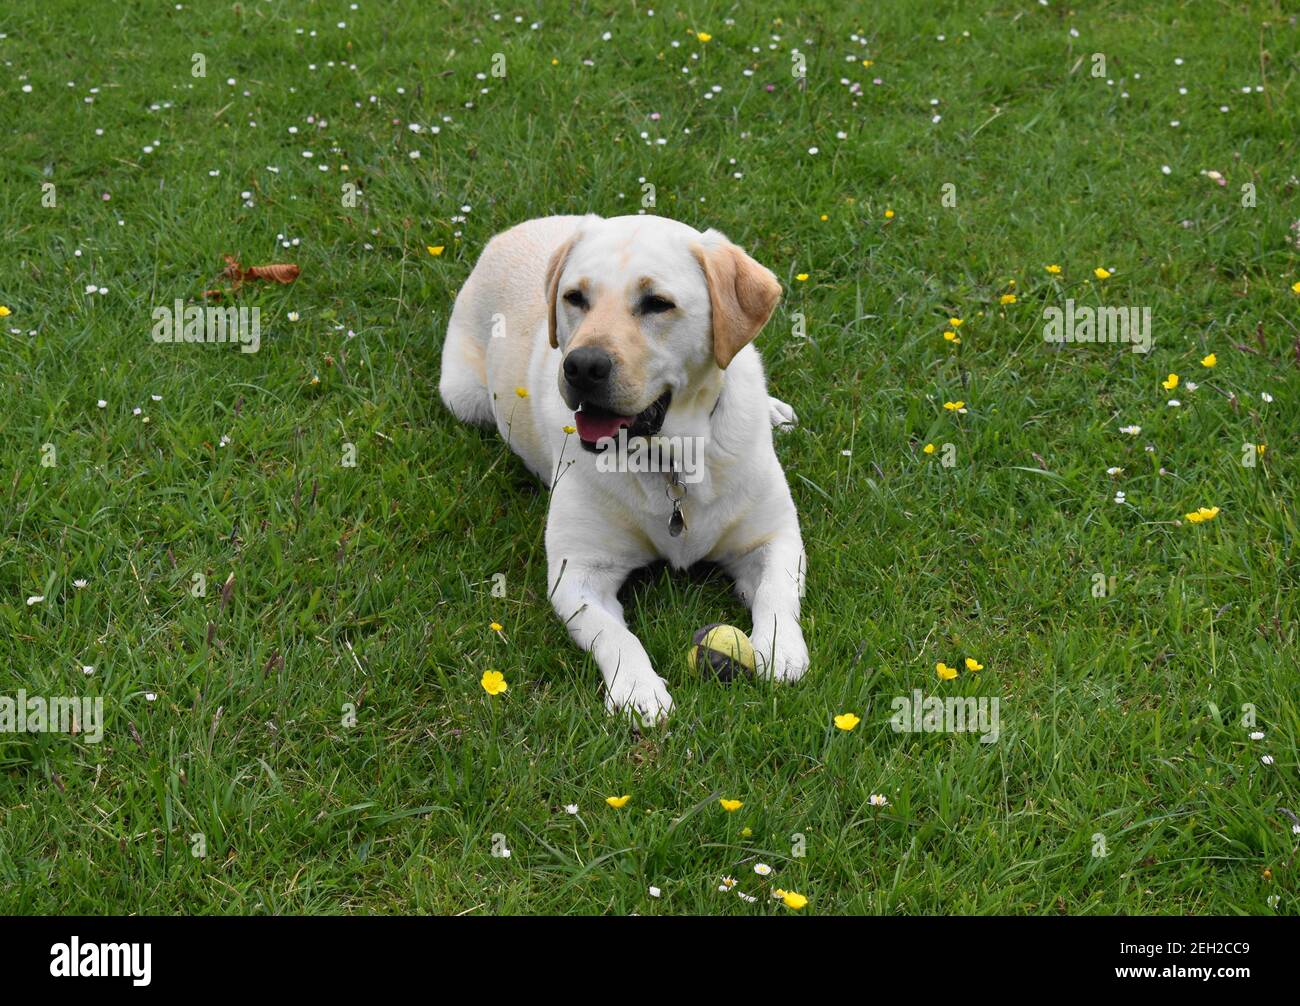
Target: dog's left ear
{"x":742,"y":293}
{"x":553,"y":270}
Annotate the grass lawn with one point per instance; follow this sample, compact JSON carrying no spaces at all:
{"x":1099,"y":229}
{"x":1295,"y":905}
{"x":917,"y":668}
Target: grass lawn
{"x":289,"y":648}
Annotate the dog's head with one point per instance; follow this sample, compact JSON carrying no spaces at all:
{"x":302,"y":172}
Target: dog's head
{"x":647,"y":313}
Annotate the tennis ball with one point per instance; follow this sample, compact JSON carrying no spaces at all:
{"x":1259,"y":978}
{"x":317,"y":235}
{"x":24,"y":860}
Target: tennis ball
{"x":721,"y":651}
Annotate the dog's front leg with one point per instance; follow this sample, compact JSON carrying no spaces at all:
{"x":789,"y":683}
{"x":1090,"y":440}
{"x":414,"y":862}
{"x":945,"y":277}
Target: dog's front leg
{"x":584,"y":591}
{"x":770,"y":578}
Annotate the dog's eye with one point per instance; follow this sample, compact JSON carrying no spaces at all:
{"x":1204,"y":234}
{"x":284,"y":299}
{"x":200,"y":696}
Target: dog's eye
{"x":656,"y":305}
{"x":576,"y":298}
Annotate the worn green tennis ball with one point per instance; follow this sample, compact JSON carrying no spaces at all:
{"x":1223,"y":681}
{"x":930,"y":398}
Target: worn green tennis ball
{"x":722,"y":652}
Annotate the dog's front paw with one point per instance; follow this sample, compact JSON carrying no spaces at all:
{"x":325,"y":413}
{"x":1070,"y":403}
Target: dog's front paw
{"x":784,"y":658}
{"x":781,"y":415}
{"x":644,"y":697}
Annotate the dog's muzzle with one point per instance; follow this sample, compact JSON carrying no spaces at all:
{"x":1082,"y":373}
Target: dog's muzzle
{"x":595,"y":423}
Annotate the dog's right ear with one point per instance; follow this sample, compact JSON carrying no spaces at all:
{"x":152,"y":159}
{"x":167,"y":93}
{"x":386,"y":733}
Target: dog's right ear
{"x":742,"y":294}
{"x":553,"y":270}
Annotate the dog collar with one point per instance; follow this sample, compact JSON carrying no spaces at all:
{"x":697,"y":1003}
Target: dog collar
{"x":675,"y":490}
{"x":722,"y":390}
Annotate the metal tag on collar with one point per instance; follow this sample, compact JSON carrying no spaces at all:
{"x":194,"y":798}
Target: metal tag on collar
{"x":676,"y":493}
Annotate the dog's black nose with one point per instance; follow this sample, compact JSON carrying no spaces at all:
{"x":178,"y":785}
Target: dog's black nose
{"x":587,"y":368}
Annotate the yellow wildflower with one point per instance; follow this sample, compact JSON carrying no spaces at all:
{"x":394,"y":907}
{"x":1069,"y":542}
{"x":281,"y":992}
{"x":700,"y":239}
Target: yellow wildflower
{"x":846,"y":721}
{"x":730,"y":806}
{"x":493,"y":682}
{"x":618,"y":801}
{"x":945,"y":672}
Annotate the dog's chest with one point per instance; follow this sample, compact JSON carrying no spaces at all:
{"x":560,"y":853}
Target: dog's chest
{"x":682,"y":521}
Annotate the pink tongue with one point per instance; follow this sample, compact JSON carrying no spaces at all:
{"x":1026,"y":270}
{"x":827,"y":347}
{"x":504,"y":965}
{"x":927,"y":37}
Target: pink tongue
{"x":594,"y":427}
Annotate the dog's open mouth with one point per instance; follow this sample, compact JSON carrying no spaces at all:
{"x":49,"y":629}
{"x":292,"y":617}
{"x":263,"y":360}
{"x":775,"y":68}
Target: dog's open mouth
{"x":595,"y":424}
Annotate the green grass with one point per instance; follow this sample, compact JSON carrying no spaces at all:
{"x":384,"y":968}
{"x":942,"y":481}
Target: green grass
{"x":372,"y":585}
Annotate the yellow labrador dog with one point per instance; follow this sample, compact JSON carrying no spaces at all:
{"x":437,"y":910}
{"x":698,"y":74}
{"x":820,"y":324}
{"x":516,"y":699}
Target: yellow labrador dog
{"x":614,"y":357}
